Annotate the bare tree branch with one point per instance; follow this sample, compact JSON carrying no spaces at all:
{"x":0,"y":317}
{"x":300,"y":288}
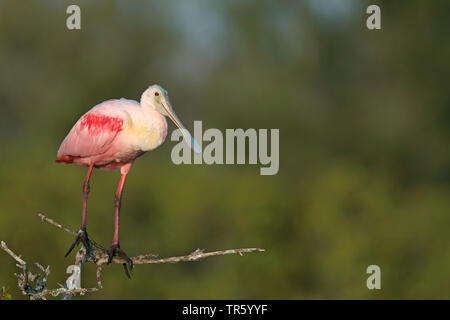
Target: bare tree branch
{"x":67,"y":229}
{"x":100,"y":259}
{"x":64,"y":291}
{"x":12,"y":254}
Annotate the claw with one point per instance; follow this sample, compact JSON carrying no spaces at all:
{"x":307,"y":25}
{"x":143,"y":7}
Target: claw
{"x":82,"y":237}
{"x":115,"y":250}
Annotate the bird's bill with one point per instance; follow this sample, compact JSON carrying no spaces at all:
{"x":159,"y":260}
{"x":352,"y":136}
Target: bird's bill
{"x":187,"y":136}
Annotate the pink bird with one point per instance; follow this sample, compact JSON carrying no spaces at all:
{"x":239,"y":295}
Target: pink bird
{"x":111,"y":136}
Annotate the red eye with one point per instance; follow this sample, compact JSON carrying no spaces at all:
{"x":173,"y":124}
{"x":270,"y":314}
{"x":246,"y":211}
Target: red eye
{"x":156,"y":94}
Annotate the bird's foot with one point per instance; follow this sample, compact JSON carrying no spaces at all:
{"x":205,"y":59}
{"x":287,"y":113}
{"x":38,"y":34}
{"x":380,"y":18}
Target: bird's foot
{"x":82,"y":237}
{"x":115,"y":250}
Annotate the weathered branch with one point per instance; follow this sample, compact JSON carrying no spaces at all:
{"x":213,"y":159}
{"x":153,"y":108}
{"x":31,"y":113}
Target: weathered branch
{"x":12,"y":254}
{"x":67,"y":229}
{"x":100,"y":258}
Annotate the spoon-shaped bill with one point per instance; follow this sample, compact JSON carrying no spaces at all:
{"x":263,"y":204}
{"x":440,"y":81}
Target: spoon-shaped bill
{"x":187,"y":136}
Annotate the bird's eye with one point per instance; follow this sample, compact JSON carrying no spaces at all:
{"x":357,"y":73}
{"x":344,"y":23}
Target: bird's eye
{"x":156,"y":94}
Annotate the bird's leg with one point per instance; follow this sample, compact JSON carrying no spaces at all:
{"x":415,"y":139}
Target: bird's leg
{"x":82,"y":235}
{"x":115,"y":247}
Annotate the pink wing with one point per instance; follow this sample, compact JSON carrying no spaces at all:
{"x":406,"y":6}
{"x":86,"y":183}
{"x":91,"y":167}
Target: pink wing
{"x":93,"y":133}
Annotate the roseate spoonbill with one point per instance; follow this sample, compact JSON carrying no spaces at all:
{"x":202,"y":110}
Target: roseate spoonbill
{"x":112,"y":135}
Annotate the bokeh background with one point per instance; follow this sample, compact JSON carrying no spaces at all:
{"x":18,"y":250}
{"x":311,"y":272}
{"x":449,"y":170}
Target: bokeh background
{"x":364,"y":119}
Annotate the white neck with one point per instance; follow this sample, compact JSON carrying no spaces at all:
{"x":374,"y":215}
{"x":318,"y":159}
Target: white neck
{"x":146,"y":103}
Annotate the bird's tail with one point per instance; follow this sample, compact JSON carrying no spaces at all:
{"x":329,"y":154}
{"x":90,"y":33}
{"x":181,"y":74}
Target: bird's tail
{"x":64,"y":158}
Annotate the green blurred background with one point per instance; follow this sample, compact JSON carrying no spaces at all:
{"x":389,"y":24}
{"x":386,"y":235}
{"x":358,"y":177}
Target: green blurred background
{"x":364,"y":119}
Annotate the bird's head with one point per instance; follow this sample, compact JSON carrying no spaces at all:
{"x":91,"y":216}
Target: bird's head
{"x":157,"y":97}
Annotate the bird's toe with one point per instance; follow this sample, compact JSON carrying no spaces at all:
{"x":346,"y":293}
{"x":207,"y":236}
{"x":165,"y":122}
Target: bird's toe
{"x":115,"y":250}
{"x":82,"y":237}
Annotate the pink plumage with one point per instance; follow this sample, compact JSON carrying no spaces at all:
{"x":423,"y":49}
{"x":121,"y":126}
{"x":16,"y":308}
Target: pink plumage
{"x":97,"y":137}
{"x":112,"y":135}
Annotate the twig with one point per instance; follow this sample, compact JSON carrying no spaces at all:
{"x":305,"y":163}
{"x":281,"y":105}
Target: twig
{"x":99,"y":276}
{"x":197,"y":255}
{"x":100,"y":257}
{"x":64,"y":291}
{"x":12,"y":254}
{"x":67,"y":229}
